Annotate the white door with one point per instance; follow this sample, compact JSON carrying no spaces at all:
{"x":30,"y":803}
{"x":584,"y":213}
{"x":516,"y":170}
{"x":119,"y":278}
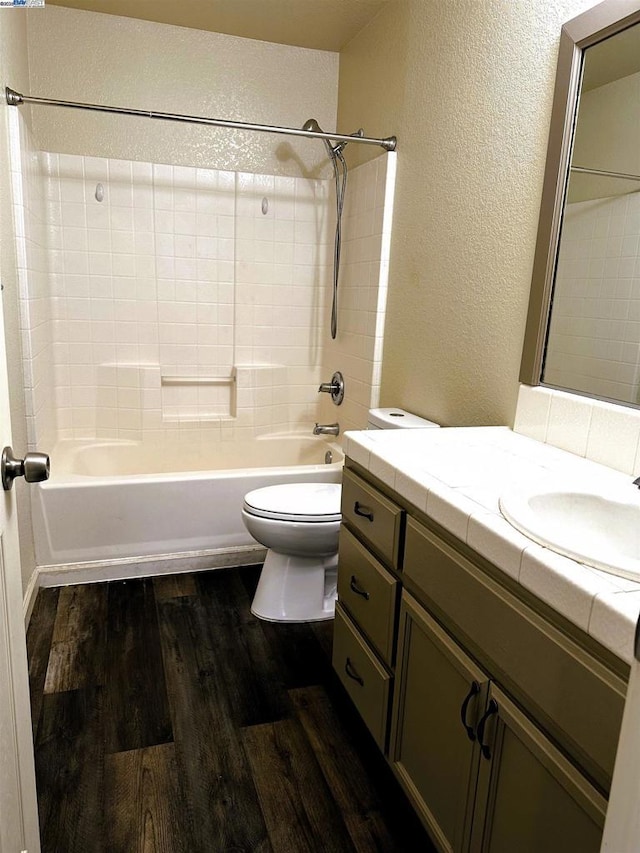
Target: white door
{"x":18,"y":805}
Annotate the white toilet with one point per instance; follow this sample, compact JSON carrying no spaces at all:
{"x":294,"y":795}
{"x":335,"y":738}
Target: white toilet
{"x":299,"y":524}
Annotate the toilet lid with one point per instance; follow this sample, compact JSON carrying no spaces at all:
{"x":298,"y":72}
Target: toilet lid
{"x":296,"y":502}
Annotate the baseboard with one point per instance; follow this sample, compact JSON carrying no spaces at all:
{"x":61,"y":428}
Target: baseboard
{"x":149,"y":566}
{"x":29,"y":596}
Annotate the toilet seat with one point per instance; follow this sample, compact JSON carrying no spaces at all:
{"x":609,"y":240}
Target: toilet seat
{"x":302,"y":502}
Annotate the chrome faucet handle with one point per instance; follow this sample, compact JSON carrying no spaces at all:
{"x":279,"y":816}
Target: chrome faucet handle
{"x":335,"y":388}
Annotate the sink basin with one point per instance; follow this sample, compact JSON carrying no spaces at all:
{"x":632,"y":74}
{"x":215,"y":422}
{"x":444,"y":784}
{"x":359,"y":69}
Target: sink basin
{"x":600,"y":529}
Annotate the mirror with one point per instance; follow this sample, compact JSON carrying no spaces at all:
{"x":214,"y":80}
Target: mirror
{"x":583,"y":326}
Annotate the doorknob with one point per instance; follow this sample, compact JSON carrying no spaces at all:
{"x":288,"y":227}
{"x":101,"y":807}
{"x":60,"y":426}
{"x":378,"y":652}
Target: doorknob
{"x":34,"y":468}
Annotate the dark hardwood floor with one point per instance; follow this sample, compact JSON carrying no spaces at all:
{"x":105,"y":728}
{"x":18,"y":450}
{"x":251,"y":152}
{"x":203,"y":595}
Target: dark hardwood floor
{"x":166,"y":718}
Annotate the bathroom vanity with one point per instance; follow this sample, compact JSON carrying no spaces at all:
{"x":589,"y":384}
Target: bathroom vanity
{"x":491,"y":672}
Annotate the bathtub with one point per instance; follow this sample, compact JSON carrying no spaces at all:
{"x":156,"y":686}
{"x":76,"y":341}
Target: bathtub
{"x":122,"y":501}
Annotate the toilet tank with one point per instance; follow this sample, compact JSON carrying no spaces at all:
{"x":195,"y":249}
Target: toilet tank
{"x":396,"y":419}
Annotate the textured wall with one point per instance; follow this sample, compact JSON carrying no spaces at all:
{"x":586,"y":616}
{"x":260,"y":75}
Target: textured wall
{"x":131,"y":63}
{"x":467,"y":87}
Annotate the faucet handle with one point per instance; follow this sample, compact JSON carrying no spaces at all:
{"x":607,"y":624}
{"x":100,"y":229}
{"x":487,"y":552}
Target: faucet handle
{"x":335,"y":388}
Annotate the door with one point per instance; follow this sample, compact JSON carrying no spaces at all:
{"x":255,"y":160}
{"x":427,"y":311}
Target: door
{"x":18,"y":804}
{"x":530,"y":797}
{"x":439,"y":698}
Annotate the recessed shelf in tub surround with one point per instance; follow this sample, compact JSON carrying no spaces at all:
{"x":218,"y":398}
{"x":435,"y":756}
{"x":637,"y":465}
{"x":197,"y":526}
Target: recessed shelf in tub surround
{"x":456,"y":475}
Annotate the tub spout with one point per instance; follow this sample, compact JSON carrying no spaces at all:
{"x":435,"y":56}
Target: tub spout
{"x":326,"y":429}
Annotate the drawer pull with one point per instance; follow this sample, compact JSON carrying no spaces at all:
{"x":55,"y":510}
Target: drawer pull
{"x":475,"y":689}
{"x":492,"y":709}
{"x":351,"y":672}
{"x":355,"y":587}
{"x":362,"y":511}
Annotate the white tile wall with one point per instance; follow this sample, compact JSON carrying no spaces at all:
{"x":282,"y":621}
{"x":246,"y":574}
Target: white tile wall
{"x":137,"y":271}
{"x":357,"y":349}
{"x":604,"y":432}
{"x":595,"y":322}
{"x":36,"y":302}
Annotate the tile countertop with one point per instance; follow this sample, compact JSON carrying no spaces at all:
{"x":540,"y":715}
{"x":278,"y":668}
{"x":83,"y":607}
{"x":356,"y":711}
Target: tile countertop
{"x":456,"y":476}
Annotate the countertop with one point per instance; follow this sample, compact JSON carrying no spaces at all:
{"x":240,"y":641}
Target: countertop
{"x":456,"y":475}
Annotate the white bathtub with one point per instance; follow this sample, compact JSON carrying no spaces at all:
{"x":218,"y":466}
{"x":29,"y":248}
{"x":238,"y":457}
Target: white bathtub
{"x":115,"y":501}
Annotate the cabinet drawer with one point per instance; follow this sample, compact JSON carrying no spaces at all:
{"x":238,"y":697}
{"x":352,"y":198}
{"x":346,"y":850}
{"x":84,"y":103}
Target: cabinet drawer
{"x":375,"y":518}
{"x":364,"y":678}
{"x":576,"y":698}
{"x":369,"y":592}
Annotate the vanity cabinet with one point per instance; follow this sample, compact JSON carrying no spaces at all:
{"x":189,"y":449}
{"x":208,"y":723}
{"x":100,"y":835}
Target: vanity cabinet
{"x":365,"y":631}
{"x":499,"y":720}
{"x":480,"y":773}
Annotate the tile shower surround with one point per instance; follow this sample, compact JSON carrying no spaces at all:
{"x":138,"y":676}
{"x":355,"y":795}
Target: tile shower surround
{"x":29,"y":206}
{"x":179,"y":272}
{"x":364,"y":272}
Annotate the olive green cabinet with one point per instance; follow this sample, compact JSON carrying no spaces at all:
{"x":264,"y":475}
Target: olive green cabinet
{"x":437,"y":706}
{"x":481,"y":775}
{"x":499,"y":721}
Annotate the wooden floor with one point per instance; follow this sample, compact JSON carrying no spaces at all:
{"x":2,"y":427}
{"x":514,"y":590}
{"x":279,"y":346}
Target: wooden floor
{"x":167,"y":718}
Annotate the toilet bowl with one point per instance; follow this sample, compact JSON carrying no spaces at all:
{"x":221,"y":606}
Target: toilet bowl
{"x":299,"y":524}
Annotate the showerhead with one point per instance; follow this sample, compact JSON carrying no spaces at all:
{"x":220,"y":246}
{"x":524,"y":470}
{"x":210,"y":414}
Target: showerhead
{"x":312,"y":125}
{"x":332,"y":150}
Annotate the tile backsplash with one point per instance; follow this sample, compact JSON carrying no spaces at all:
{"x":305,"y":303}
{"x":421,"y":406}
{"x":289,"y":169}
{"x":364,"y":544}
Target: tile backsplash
{"x":603,"y":432}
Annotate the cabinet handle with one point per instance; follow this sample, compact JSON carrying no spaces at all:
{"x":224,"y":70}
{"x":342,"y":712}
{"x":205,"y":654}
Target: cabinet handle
{"x":355,"y":587}
{"x":475,"y":689}
{"x":492,"y":709}
{"x":351,"y":672}
{"x":362,"y":511}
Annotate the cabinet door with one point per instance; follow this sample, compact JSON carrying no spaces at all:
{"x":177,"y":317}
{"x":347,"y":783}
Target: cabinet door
{"x":431,"y":750}
{"x":530,"y":797}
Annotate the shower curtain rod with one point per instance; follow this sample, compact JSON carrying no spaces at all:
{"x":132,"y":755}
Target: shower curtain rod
{"x":15,"y":99}
{"x":605,"y":174}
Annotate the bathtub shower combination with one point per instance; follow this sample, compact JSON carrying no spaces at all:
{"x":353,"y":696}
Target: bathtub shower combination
{"x":164,"y":387}
{"x":115,"y":501}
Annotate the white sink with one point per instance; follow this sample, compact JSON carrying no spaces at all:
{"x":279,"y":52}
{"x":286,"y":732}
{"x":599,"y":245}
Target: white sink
{"x":601,"y":529}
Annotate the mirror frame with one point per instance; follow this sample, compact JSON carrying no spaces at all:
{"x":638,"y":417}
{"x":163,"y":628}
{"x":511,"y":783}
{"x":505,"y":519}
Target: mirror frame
{"x":592,"y":26}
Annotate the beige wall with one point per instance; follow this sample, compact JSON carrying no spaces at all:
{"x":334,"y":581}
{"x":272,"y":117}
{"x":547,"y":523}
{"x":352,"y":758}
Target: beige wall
{"x":467,"y":87}
{"x":13,"y":67}
{"x":106,"y":59}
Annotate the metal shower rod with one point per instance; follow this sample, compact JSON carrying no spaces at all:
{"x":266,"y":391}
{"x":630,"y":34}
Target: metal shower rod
{"x":603,"y":173}
{"x":15,"y":99}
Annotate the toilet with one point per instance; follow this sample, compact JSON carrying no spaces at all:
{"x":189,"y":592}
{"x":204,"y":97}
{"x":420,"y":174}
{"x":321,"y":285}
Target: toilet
{"x":298,"y":523}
